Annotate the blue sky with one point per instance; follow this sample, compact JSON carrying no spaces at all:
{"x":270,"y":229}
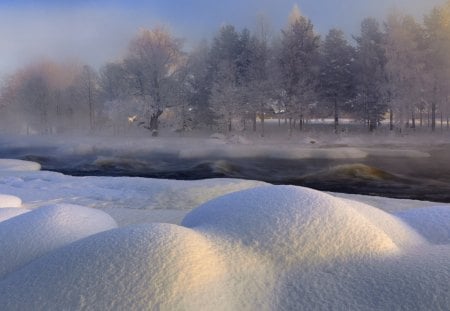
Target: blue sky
{"x":95,"y":31}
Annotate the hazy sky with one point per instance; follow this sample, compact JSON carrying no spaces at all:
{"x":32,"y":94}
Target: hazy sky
{"x":96,"y":31}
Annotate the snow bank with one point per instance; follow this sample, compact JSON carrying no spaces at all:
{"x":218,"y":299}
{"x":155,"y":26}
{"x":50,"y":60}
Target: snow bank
{"x":30,"y":235}
{"x":7,"y":213}
{"x":41,"y":188}
{"x":9,"y":201}
{"x":291,"y":224}
{"x":432,"y":222}
{"x":263,"y":248}
{"x":18,"y":165}
{"x":134,"y":268}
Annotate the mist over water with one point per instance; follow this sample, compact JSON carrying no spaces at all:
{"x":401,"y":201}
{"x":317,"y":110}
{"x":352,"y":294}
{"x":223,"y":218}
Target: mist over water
{"x":63,"y":94}
{"x":421,"y":178}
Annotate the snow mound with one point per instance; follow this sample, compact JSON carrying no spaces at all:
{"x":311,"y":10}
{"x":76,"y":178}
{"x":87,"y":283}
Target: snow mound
{"x":30,"y":235}
{"x":291,"y":224}
{"x":7,"y":213}
{"x":185,"y":195}
{"x":18,"y":165}
{"x":431,"y":222}
{"x":144,"y":267}
{"x":9,"y":201}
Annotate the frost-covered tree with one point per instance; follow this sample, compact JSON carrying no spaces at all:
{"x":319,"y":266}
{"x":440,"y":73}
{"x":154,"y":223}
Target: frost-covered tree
{"x":337,"y":72}
{"x":229,"y":69}
{"x":298,"y":60}
{"x":154,"y":56}
{"x":116,"y":100}
{"x":226,"y":97}
{"x":86,"y":86}
{"x":198,"y":83}
{"x":437,"y":64}
{"x":370,"y":73}
{"x":36,"y":97}
{"x":404,"y":68}
{"x":113,"y":82}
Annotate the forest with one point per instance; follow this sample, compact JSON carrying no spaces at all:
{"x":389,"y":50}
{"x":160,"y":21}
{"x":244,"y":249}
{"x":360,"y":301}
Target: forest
{"x":393,"y":74}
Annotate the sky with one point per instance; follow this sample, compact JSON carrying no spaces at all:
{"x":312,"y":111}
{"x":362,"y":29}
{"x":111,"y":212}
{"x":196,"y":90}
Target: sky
{"x":98,"y":31}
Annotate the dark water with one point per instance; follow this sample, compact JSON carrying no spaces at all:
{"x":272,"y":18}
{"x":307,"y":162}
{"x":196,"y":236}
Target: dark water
{"x":396,"y":177}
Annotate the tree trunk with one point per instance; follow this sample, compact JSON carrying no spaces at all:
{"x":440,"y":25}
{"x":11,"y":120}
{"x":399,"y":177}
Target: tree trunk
{"x":290,"y":127}
{"x":254,"y":121}
{"x":262,"y":124}
{"x":421,"y":117}
{"x":154,"y":122}
{"x":336,"y":116}
{"x":413,"y":120}
{"x":433,"y":116}
{"x":391,"y":119}
{"x":91,"y":108}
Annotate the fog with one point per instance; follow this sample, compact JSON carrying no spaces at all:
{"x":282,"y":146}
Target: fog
{"x":137,"y":68}
{"x":97,"y":31}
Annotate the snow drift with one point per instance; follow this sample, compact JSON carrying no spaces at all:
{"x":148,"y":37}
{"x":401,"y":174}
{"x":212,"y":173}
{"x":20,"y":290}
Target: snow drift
{"x":30,"y":235}
{"x":291,"y":224}
{"x":9,"y":201}
{"x":134,"y":268}
{"x":18,"y":165}
{"x":7,"y":213}
{"x":266,"y":248}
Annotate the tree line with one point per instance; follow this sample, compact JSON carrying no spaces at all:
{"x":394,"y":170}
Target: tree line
{"x":398,"y":70}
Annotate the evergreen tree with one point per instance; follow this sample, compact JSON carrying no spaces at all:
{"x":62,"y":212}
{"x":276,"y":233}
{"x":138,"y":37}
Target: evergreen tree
{"x":199,"y":84}
{"x":298,"y":60}
{"x":370,"y":73}
{"x":336,"y":73}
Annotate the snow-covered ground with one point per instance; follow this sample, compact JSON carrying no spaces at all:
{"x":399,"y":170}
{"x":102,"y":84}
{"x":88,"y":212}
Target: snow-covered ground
{"x":103,"y":243}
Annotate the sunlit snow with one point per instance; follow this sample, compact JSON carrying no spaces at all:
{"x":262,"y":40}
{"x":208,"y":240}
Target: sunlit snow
{"x":243,"y":245}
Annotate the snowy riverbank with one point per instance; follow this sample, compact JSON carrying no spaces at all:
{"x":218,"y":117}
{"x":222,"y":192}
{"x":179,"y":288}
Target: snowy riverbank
{"x":99,"y":243}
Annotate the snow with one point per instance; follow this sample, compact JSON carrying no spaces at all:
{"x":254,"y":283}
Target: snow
{"x":18,"y":165}
{"x":30,"y":235}
{"x":432,"y":222}
{"x":231,"y":244}
{"x":291,"y":224}
{"x":8,"y":201}
{"x":153,"y":266}
{"x":7,"y":213}
{"x":38,"y":188}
